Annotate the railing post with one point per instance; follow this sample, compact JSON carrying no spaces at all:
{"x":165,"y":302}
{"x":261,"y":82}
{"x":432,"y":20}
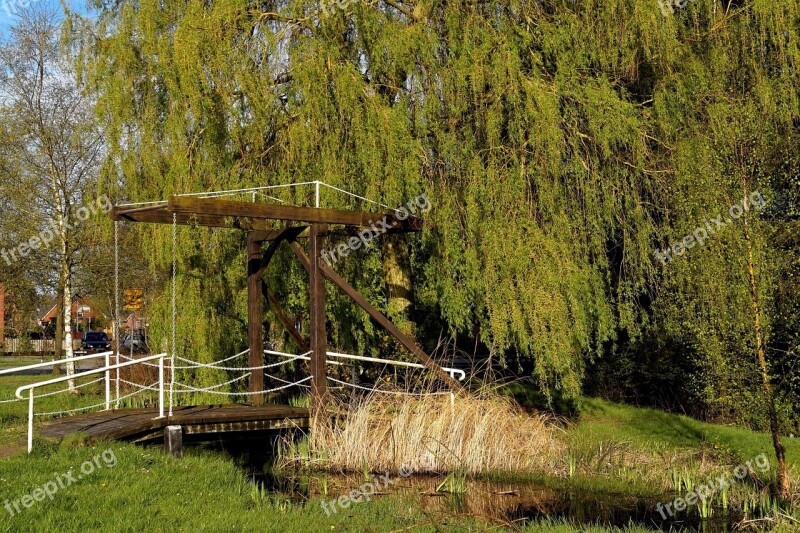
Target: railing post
{"x":30,"y":421}
{"x":161,"y":387}
{"x":108,"y":381}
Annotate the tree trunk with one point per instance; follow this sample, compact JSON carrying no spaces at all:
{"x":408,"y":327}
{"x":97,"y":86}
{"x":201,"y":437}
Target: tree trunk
{"x":66,"y":275}
{"x":780,"y":453}
{"x":58,"y":347}
{"x":397,"y":275}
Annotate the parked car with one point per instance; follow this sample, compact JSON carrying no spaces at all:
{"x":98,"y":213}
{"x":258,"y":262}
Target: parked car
{"x":137,"y":343}
{"x":95,"y":340}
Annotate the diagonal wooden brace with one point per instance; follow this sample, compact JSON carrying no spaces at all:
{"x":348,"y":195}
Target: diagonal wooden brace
{"x":387,"y":324}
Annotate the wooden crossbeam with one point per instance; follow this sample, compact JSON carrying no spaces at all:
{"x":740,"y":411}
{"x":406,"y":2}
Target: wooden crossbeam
{"x":162,"y":215}
{"x":265,"y":226}
{"x":347,"y":231}
{"x":256,"y":211}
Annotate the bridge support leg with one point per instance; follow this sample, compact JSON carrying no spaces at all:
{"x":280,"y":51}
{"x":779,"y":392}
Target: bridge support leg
{"x":319,"y":348}
{"x":255,"y":312}
{"x":173,"y":440}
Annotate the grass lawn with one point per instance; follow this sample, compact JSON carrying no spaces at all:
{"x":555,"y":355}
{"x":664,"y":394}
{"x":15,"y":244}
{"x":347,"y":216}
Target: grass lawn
{"x":145,"y":490}
{"x":149,"y":491}
{"x":651,"y":429}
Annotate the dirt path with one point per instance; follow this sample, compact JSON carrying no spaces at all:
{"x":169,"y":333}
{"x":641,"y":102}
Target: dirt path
{"x":8,"y":451}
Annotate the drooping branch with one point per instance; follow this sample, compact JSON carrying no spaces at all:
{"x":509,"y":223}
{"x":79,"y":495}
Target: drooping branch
{"x":303,"y":22}
{"x":403,"y":9}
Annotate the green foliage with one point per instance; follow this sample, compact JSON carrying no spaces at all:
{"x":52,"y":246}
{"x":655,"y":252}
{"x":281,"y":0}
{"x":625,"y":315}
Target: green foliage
{"x":558,"y":142}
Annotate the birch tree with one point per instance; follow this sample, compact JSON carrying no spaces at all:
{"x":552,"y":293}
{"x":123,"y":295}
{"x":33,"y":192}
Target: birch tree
{"x":52,"y":150}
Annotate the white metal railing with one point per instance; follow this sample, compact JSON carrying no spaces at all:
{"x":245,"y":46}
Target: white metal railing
{"x":451,"y":371}
{"x":106,"y":355}
{"x":106,"y":369}
{"x":55,"y":362}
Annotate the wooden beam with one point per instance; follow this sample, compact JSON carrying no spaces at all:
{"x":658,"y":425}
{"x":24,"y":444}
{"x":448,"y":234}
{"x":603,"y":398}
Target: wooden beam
{"x":161,"y":215}
{"x":284,"y":318}
{"x":250,"y":210}
{"x":348,"y":231}
{"x":319,"y":348}
{"x":387,"y":324}
{"x":255,"y":311}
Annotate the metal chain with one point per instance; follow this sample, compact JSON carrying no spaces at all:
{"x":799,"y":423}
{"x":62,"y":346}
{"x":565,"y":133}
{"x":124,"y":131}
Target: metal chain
{"x":116,"y":303}
{"x":189,"y":389}
{"x":174,"y":306}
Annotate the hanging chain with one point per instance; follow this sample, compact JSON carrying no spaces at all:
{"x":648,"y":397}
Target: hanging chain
{"x":174,"y":305}
{"x":117,"y":324}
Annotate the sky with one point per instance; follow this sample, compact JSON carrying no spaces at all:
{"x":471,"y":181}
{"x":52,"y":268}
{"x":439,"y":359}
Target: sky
{"x":8,"y":8}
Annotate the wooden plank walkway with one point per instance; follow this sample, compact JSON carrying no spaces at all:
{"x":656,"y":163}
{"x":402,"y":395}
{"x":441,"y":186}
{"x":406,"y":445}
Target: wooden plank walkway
{"x":142,"y":424}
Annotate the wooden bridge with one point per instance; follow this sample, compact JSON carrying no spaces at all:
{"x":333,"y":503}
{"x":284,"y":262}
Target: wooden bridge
{"x":264,"y":223}
{"x":141,"y":425}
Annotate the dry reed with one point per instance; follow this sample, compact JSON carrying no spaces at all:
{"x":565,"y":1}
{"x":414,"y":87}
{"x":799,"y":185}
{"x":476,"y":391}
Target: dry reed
{"x":424,"y":434}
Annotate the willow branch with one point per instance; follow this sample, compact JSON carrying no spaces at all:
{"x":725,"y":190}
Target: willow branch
{"x":403,"y":9}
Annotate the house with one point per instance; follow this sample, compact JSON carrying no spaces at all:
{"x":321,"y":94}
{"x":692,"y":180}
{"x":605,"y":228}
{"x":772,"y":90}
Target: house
{"x":134,"y":322}
{"x":85,"y":315}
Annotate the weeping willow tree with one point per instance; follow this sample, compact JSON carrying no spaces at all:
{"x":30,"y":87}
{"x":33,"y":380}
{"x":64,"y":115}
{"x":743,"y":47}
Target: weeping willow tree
{"x":559,"y":142}
{"x":535,"y":155}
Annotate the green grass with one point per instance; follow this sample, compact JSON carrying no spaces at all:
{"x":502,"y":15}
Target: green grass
{"x":656,"y":430}
{"x":148,"y":490}
{"x":14,"y":415}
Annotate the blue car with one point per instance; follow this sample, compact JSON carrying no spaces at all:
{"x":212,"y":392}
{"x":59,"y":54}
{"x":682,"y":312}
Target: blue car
{"x":95,"y":340}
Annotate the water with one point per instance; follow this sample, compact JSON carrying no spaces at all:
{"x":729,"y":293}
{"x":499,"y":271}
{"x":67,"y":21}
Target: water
{"x":518,"y":502}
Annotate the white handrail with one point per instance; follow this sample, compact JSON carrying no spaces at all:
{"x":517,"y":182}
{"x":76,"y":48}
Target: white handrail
{"x":451,"y":371}
{"x":106,"y":369}
{"x":53,"y":363}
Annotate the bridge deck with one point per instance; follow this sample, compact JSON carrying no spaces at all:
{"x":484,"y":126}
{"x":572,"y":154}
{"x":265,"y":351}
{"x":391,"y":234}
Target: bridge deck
{"x":142,"y":424}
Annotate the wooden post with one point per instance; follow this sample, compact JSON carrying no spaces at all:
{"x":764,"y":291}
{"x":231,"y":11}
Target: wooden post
{"x":255,"y":311}
{"x":173,"y":440}
{"x":319,"y":348}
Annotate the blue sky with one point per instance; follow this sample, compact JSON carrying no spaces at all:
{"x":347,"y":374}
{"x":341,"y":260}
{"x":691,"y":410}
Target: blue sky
{"x":9,"y":7}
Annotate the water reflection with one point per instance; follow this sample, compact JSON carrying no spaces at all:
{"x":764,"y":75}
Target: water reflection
{"x":513,"y":502}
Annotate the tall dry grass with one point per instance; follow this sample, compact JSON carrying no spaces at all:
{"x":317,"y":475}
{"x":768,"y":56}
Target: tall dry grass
{"x":428,"y":434}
